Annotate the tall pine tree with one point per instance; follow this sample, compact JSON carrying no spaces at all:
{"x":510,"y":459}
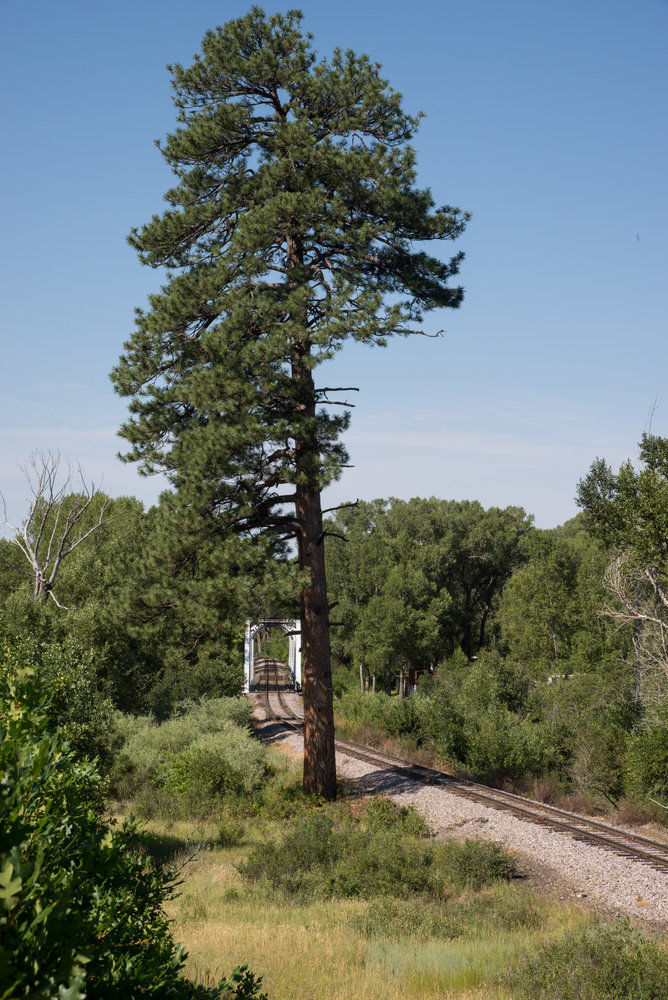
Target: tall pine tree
{"x":295,"y":225}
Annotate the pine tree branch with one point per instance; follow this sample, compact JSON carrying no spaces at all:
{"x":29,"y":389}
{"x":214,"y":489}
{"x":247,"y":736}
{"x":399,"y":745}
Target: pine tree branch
{"x":338,"y":388}
{"x":330,"y":534}
{"x":342,"y":506}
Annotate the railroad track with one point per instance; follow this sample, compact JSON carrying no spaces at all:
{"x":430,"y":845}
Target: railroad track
{"x":632,"y":846}
{"x":274,"y":679}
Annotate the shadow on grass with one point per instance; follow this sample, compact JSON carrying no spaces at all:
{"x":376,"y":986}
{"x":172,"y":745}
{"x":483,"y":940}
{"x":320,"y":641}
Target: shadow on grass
{"x":169,"y":850}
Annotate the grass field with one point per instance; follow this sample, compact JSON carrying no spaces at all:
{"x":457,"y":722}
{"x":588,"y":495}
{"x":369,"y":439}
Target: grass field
{"x":358,"y":902}
{"x":337,"y":949}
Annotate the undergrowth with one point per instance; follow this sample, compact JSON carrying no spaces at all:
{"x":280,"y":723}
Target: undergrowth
{"x":608,"y":961}
{"x":192,"y":764}
{"x":472,"y":914}
{"x":380,"y":851}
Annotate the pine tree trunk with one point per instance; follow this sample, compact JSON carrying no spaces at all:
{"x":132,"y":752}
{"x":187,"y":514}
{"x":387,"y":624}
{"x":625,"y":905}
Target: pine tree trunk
{"x":319,"y":754}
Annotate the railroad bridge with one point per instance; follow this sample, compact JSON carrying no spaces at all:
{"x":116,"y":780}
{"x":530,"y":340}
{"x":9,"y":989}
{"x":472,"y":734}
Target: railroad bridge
{"x":292,"y":628}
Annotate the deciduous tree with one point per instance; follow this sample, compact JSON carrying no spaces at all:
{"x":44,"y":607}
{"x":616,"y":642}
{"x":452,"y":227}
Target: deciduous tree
{"x":295,"y":224}
{"x":58,"y":521}
{"x":417,"y":579}
{"x":628,"y":510}
{"x":550,"y":612}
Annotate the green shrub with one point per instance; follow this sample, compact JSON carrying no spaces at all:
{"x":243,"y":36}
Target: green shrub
{"x":209,"y":713}
{"x":355,"y":708}
{"x":478,"y":728}
{"x":80,"y":906}
{"x":424,"y":719}
{"x":383,"y":863}
{"x":388,"y":917}
{"x":383,"y":814}
{"x":283,"y":798}
{"x":475,"y":914}
{"x":443,"y":725}
{"x":647,"y":761}
{"x":597,"y":761}
{"x":78,"y":708}
{"x":68,"y":671}
{"x":492,"y":680}
{"x":124,"y":727}
{"x":609,"y":961}
{"x":216,"y":764}
{"x":327,"y":853}
{"x":189,"y":761}
{"x":473,"y":863}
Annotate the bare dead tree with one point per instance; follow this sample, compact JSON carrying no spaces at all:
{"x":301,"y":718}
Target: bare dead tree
{"x":56,"y":523}
{"x":641,"y":601}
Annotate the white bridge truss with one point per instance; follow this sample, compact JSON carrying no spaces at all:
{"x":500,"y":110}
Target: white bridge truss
{"x":292,"y":628}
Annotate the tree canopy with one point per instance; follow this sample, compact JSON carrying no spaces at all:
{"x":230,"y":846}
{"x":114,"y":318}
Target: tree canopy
{"x":419,"y":579}
{"x":295,"y":224}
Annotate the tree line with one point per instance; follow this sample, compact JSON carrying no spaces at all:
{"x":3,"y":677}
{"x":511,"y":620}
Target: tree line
{"x":533,"y":654}
{"x":546,"y":646}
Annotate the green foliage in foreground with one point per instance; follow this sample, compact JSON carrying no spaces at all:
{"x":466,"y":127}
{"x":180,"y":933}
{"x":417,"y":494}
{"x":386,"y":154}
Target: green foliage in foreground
{"x":602,"y":962}
{"x":80,"y":907}
{"x":329,"y":853}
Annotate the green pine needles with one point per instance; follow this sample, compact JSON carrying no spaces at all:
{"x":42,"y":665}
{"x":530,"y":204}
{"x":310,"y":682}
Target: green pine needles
{"x":295,"y":224}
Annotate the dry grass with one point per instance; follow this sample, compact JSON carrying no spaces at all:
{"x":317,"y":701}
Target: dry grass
{"x":322,"y":950}
{"x":318,"y":951}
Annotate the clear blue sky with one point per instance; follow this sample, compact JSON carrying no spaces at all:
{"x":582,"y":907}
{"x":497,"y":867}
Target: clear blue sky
{"x":548,"y":121}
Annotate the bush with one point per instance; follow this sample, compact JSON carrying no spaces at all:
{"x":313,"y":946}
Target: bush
{"x":327,"y":853}
{"x":603,"y":962}
{"x":475,"y":863}
{"x":498,"y":742}
{"x":68,"y":677}
{"x":383,"y":814}
{"x":80,"y":907}
{"x":188,"y":764}
{"x":647,"y":762}
{"x":470,"y":916}
{"x":362,"y":709}
{"x":388,"y":917}
{"x":598,"y":754}
{"x":478,"y":728}
{"x":283,"y":798}
{"x":216,"y":670}
{"x":76,"y":703}
{"x":216,"y":764}
{"x":442,"y":724}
